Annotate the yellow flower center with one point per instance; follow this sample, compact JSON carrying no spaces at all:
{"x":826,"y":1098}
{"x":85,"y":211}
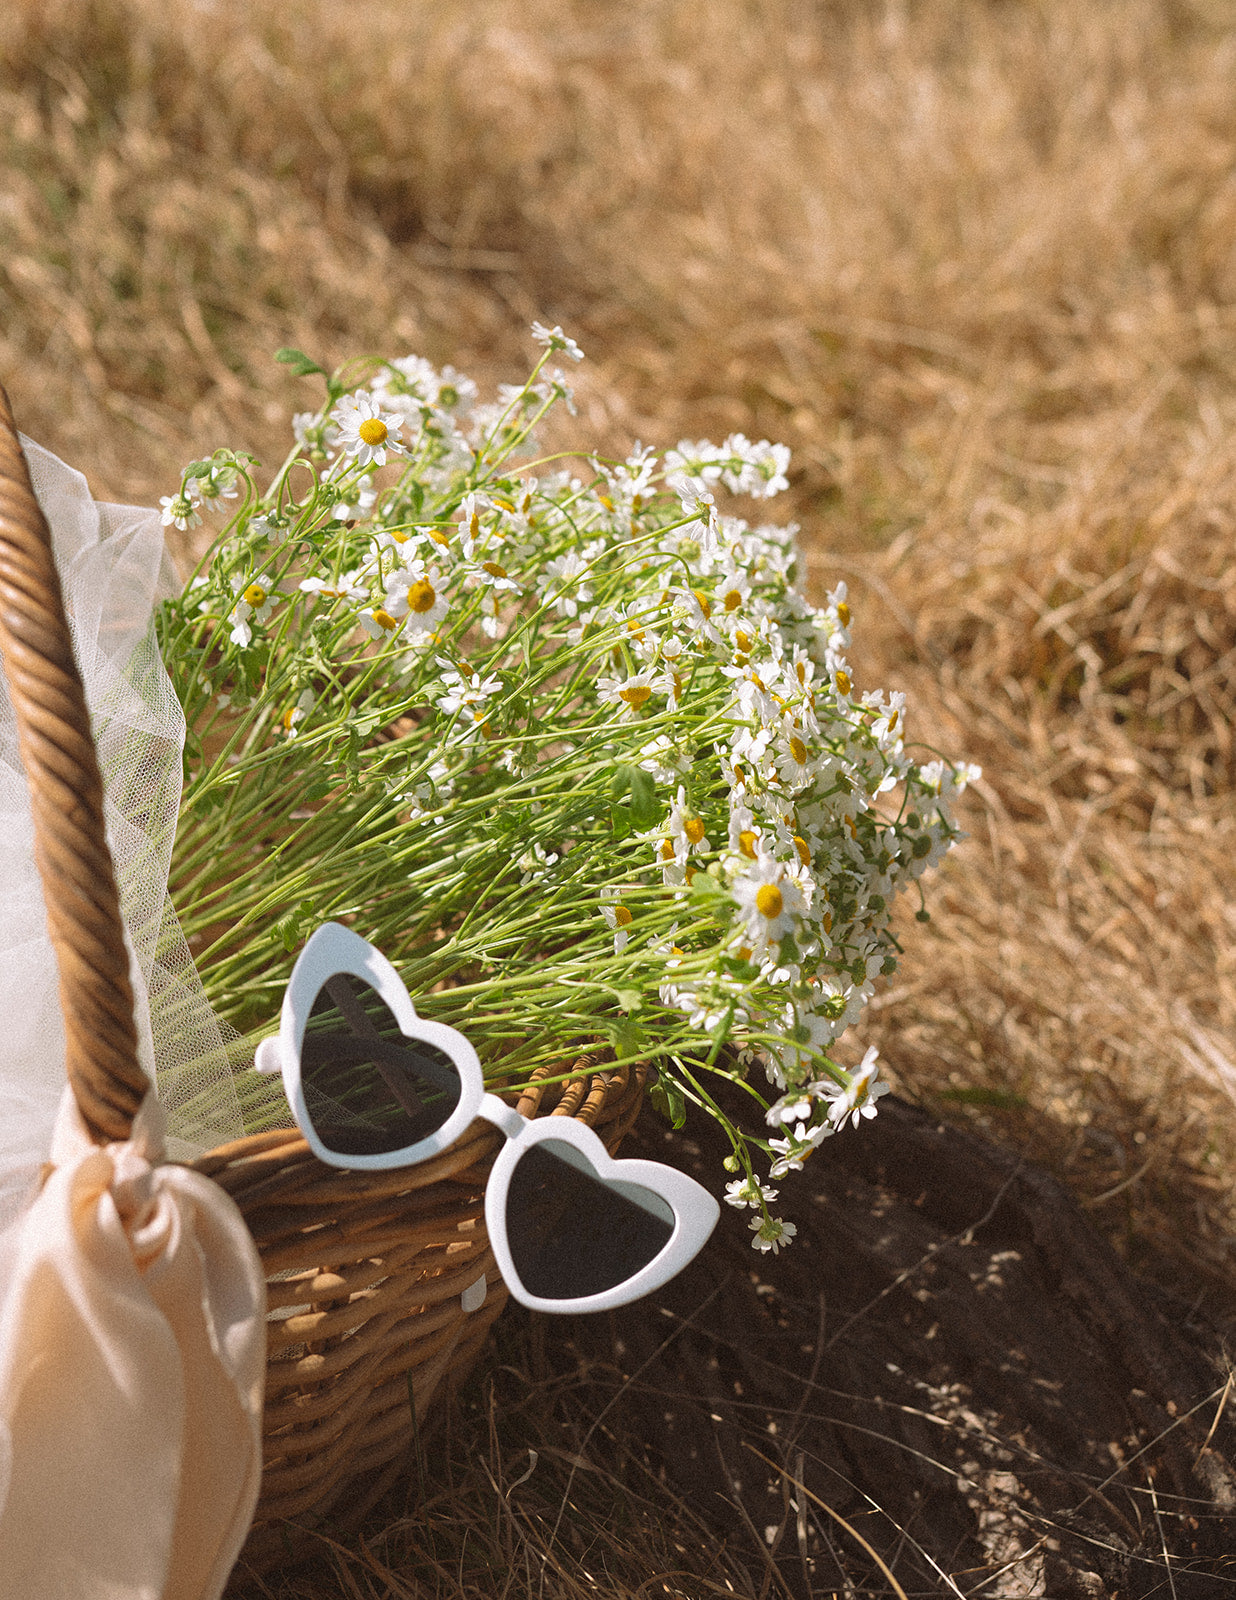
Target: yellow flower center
{"x":744,"y":953}
{"x":694,"y":829}
{"x":422,"y":596}
{"x":438,"y":537}
{"x":634,"y":627}
{"x":843,"y":613}
{"x":667,"y":850}
{"x":828,"y":922}
{"x":740,"y":775}
{"x":804,"y":850}
{"x":843,"y":682}
{"x":746,"y":843}
{"x":384,"y":619}
{"x":733,"y":599}
{"x":800,"y":668}
{"x":768,"y":901}
{"x":507,"y":505}
{"x":798,"y":749}
{"x":704,"y":603}
{"x":621,"y":916}
{"x":255,"y":594}
{"x":494,"y":569}
{"x":743,"y":641}
{"x":636,"y":696}
{"x":373,"y":431}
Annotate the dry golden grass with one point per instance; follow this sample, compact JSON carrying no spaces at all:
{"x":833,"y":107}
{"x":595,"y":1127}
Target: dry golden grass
{"x":973,"y":261}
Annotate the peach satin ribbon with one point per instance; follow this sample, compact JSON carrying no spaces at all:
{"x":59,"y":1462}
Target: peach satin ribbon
{"x":132,"y":1359}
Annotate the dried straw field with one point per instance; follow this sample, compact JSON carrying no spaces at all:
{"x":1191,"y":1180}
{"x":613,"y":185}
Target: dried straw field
{"x":974,"y":262}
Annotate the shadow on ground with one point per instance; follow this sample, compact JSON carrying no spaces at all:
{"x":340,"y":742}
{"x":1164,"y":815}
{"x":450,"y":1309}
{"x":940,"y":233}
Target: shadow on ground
{"x":949,"y":1374}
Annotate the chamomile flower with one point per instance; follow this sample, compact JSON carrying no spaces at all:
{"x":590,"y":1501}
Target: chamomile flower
{"x":378,"y":622}
{"x":686,"y":829}
{"x":732,"y":592}
{"x":755,"y":469}
{"x":364,"y":497}
{"x":797,"y":1147}
{"x":257,"y":601}
{"x":221,"y":483}
{"x":618,"y":917}
{"x":464,"y":690}
{"x":666,"y":761}
{"x":631,"y":693}
{"x":795,"y":766}
{"x":366,"y":432}
{"x":769,"y":901}
{"x":535,"y":864}
{"x":692,"y":613}
{"x":564,"y":583}
{"x":748,"y":1192}
{"x":554,"y":339}
{"x":771,"y":1233}
{"x":859,"y":1099}
{"x":346,"y":587}
{"x":180,"y":510}
{"x":315,"y":434}
{"x":418,"y":593}
{"x":411,"y":385}
{"x":296,"y":714}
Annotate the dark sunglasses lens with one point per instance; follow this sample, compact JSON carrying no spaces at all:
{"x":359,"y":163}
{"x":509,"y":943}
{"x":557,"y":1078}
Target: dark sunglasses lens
{"x":570,"y":1233}
{"x":368,"y":1089}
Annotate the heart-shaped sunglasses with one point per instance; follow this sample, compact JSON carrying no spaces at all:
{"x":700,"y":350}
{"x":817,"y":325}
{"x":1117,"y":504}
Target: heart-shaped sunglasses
{"x":372,"y":1085}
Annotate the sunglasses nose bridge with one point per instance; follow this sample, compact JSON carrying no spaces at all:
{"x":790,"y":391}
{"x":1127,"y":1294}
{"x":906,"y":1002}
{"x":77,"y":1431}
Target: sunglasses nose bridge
{"x":502,"y":1116}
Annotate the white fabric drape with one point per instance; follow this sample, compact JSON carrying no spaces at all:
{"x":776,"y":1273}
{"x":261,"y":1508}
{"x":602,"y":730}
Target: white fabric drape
{"x":132,"y":1360}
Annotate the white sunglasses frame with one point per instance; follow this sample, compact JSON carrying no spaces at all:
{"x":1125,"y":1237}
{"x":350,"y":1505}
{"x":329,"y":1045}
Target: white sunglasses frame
{"x":333,"y":949}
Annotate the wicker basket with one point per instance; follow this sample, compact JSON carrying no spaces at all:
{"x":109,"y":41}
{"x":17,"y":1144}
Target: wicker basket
{"x":365,"y":1272}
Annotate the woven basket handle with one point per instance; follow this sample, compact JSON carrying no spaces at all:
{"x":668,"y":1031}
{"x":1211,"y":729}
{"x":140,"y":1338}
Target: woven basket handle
{"x":66,"y":799}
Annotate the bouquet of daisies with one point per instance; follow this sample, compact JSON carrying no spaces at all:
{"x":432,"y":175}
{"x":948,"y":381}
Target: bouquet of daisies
{"x":565,"y":741}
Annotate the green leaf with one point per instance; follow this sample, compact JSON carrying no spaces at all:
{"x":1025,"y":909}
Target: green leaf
{"x":293,"y":925}
{"x":300,"y":363}
{"x":705,"y":887}
{"x":634,"y":796}
{"x":667,"y":1097}
{"x":629,"y":999}
{"x":626,"y":1037}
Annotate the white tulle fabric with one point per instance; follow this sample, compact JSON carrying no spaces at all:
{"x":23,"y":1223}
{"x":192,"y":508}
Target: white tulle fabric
{"x":132,"y":1358}
{"x":132,"y":1298}
{"x":113,"y":568}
